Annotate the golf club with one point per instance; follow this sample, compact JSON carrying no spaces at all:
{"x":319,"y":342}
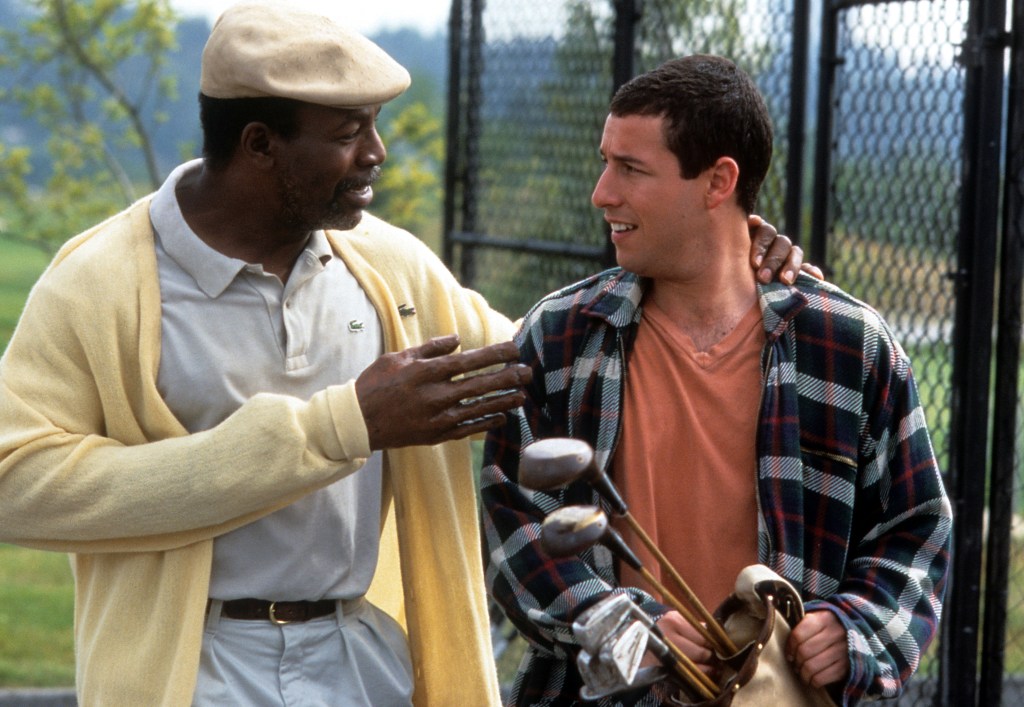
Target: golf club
{"x":606,"y":618}
{"x":555,"y":462}
{"x":572,"y":529}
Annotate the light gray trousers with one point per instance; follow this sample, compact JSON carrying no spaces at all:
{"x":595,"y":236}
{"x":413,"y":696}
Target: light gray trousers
{"x":352,"y":659}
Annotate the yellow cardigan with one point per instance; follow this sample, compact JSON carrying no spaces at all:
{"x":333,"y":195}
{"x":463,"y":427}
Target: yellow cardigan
{"x":92,"y":462}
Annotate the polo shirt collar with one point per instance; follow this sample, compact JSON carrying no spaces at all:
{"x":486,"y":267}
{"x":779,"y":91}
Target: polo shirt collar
{"x":212,"y":270}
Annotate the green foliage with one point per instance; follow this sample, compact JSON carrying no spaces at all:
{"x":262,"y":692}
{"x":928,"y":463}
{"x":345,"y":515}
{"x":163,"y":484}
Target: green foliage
{"x":20,"y":265}
{"x":36,"y":588}
{"x":409,"y":193}
{"x":36,"y":613}
{"x":88,"y":74}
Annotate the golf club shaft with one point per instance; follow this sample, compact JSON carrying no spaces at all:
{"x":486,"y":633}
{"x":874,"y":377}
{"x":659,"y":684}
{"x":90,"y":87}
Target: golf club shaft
{"x":709,"y":628}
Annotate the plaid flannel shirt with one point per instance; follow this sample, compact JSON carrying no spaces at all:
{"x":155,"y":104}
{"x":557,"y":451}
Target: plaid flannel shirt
{"x":852,"y":506}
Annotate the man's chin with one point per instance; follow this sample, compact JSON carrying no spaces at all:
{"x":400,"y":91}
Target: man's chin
{"x":343,"y":222}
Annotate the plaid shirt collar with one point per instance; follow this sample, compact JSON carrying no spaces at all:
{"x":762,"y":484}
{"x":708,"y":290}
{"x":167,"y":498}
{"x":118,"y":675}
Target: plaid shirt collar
{"x":618,"y":302}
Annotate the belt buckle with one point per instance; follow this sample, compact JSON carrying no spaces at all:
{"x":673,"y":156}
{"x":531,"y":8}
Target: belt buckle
{"x":273,"y":617}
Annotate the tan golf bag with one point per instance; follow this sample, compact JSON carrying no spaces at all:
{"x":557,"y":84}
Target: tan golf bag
{"x":757,"y":616}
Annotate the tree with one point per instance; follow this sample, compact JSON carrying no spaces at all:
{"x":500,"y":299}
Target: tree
{"x":96,"y":80}
{"x":409,"y":192}
{"x":94,"y":75}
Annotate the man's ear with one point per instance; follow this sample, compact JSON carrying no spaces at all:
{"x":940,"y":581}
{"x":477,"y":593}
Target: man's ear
{"x":255,"y":144}
{"x":723,"y":176}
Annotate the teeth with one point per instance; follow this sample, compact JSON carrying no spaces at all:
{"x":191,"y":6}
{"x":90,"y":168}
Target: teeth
{"x":618,"y":227}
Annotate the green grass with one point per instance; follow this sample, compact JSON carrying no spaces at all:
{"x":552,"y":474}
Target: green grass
{"x":36,"y":588}
{"x":36,"y":615}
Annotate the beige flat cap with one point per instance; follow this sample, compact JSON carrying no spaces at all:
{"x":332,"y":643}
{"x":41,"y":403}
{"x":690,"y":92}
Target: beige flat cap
{"x":261,"y":50}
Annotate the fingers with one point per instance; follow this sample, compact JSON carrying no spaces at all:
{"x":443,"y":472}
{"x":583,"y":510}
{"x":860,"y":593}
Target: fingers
{"x":437,"y":346}
{"x":448,"y":365}
{"x":817,"y":648}
{"x":824,"y":669}
{"x":762,"y":235}
{"x":689,"y":641}
{"x":426,"y":394}
{"x":505,"y":352}
{"x":774,"y":255}
{"x":479,"y":414}
{"x":782,"y":259}
{"x":812,"y":270}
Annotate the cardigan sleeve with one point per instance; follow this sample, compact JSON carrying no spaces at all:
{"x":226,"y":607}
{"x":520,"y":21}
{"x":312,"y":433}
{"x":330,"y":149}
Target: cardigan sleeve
{"x":91,"y":460}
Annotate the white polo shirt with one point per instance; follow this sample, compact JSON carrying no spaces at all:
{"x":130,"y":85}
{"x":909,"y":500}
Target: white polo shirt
{"x":231,"y":331}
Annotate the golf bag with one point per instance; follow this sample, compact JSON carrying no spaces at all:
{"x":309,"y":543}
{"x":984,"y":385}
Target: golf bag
{"x":757,"y":616}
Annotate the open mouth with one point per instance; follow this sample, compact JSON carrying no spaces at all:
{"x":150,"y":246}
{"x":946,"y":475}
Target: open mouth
{"x":359,"y":192}
{"x":620,"y":228}
{"x":359,"y":196}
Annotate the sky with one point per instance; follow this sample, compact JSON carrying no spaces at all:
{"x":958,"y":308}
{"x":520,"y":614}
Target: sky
{"x":366,"y":16}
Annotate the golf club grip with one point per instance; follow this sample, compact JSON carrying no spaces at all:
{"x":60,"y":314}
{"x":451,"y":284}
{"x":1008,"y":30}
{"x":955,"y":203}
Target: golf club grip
{"x":710,"y":628}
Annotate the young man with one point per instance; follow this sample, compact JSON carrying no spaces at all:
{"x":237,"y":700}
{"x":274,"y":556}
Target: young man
{"x":244,"y":423}
{"x":743,"y":423}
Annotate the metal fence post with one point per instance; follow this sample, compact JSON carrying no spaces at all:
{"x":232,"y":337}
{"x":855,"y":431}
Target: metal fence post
{"x":823,"y":143}
{"x":1005,"y":417}
{"x":452,"y":161}
{"x":794,"y":199}
{"x":982,"y":54}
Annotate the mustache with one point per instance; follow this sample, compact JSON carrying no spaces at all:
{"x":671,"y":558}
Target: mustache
{"x":360,"y":182}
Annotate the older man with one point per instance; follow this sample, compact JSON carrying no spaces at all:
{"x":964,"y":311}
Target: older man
{"x":197,"y":399}
{"x":220,"y":401}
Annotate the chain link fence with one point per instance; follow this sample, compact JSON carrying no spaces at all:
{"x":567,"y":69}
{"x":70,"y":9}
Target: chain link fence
{"x":887,"y":117}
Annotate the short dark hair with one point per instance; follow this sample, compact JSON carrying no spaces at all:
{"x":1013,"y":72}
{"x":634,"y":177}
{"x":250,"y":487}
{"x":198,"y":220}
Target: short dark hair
{"x":712,"y":109}
{"x":223,"y":120}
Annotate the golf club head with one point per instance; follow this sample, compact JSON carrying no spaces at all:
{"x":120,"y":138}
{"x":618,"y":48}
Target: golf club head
{"x":626,"y":651}
{"x":614,"y":666}
{"x":593,"y":627}
{"x":602,"y":678}
{"x":572,"y":529}
{"x":558,"y":461}
{"x":554,"y":462}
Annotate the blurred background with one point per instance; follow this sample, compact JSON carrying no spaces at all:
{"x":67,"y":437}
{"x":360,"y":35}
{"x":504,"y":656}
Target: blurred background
{"x":898,"y":168}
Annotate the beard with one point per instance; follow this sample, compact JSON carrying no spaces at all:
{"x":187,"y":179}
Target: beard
{"x":301,"y":212}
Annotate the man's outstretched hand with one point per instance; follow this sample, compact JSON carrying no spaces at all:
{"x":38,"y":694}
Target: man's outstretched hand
{"x":410,"y":397}
{"x":774,"y":255}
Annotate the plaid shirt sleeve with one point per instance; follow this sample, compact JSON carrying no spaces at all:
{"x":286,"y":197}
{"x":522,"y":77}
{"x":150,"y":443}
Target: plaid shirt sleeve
{"x":891,"y":593}
{"x":877,"y":554}
{"x":540,"y":594}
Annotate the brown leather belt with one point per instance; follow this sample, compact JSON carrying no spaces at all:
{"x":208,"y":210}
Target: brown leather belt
{"x":279,"y":612}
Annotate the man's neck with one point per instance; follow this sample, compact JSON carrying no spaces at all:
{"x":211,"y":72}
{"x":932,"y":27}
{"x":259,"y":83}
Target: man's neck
{"x":708,"y":308}
{"x":232,"y":223}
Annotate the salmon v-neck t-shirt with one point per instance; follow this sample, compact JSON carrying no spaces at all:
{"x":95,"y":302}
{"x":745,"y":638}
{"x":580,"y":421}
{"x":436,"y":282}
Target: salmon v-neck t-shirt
{"x":686,"y":461}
